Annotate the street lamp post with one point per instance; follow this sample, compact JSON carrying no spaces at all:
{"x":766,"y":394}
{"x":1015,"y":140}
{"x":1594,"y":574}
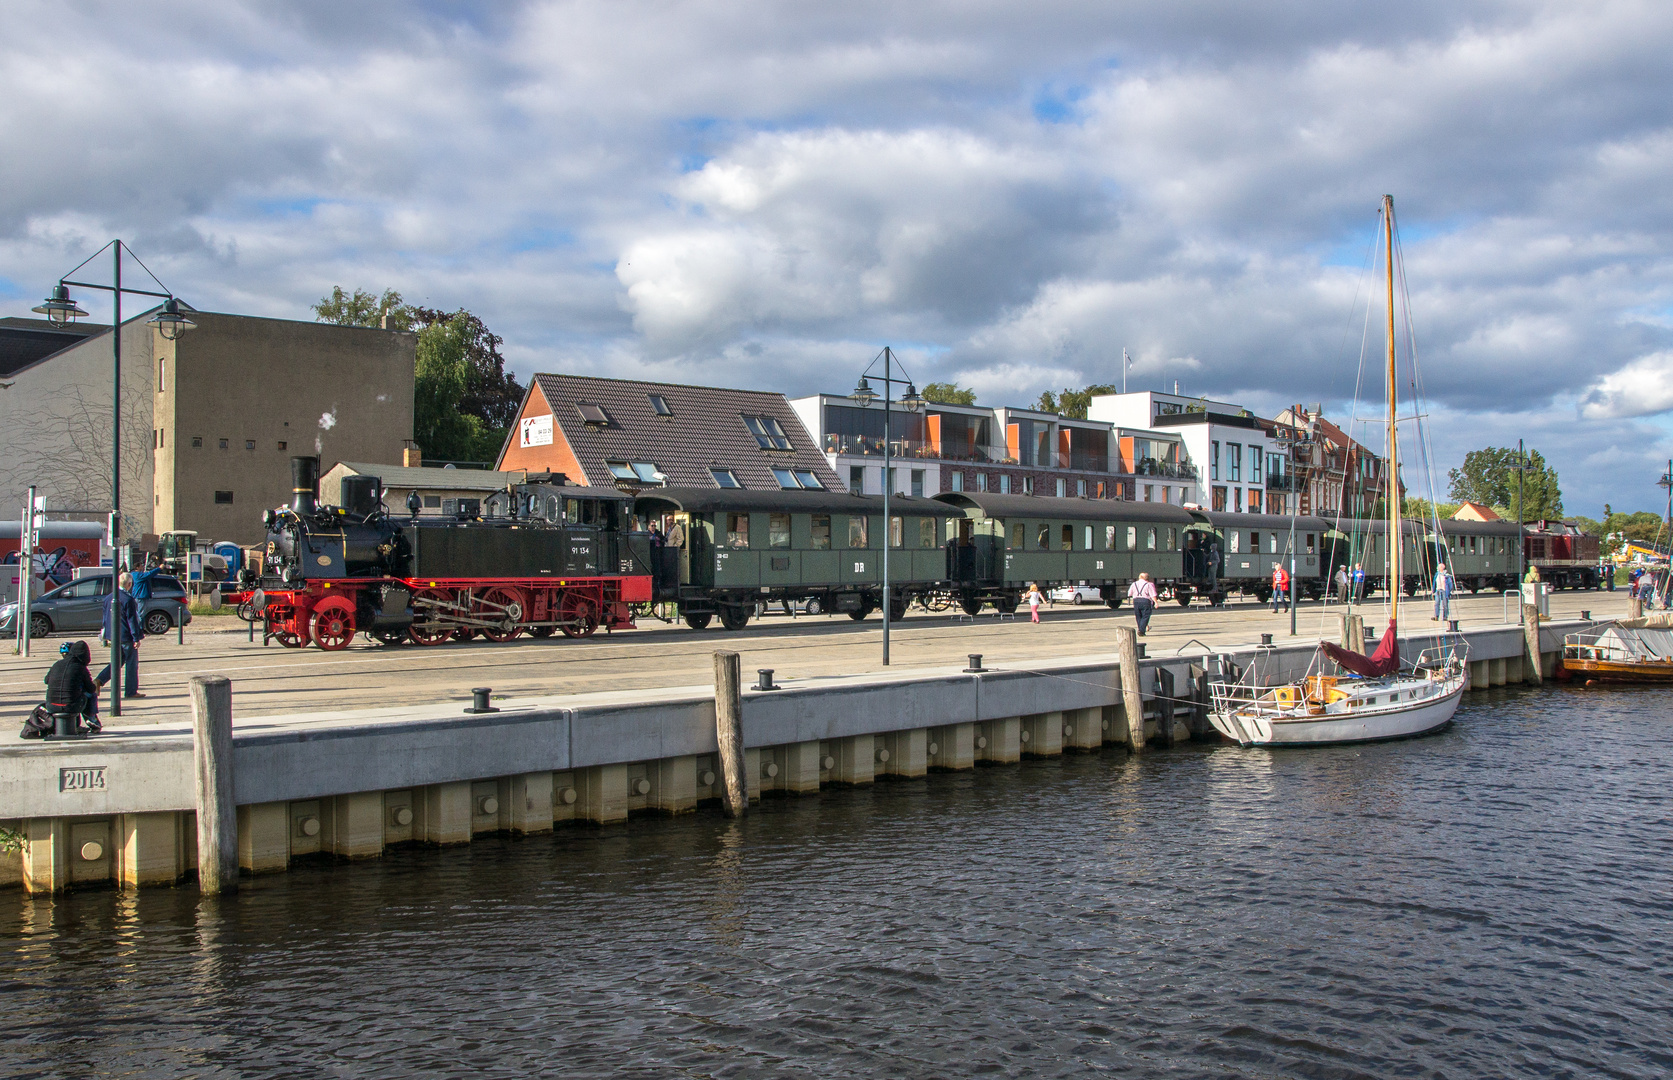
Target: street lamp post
{"x":171,"y":321}
{"x":865,"y":395}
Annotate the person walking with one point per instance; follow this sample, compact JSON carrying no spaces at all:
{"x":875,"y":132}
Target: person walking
{"x":1034,"y":600}
{"x":1342,"y":584}
{"x":127,"y":609}
{"x":1356,"y":588}
{"x":1280,"y":588}
{"x":1143,"y":595}
{"x":1443,"y":594}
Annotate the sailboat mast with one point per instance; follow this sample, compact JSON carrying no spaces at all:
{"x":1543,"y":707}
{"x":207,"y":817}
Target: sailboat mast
{"x":1393,"y":479}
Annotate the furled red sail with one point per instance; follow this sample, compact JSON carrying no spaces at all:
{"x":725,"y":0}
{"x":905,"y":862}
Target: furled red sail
{"x":1385,"y":661}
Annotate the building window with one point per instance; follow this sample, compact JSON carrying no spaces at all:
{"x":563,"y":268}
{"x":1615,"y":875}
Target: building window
{"x":820,"y":538}
{"x":1237,"y":499}
{"x":282,"y":444}
{"x":1103,"y":489}
{"x":725,"y":478}
{"x":659,"y":405}
{"x":1028,"y":485}
{"x":1234,"y":458}
{"x":1062,"y":487}
{"x":432,"y":502}
{"x":857,"y":479}
{"x":1214,"y":460}
{"x":926,"y":533}
{"x":918,"y":483}
{"x":890,"y":484}
{"x":1080,"y":488}
{"x":223,"y":443}
{"x":981,"y":481}
{"x":1254,"y":464}
{"x":1004,"y":483}
{"x":593,"y":415}
{"x":957,"y":481}
{"x":737,"y":530}
{"x":162,"y":366}
{"x":249,"y":444}
{"x":769,"y":434}
{"x":223,"y":498}
{"x":778,"y":530}
{"x":856,"y":531}
{"x":197,"y":442}
{"x":1254,"y":501}
{"x":793,"y":479}
{"x":636,"y":472}
{"x":1218,"y":502}
{"x":1149,"y":493}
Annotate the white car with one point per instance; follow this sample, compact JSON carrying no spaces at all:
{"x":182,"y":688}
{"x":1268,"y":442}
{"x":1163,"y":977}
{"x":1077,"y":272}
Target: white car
{"x":1075,"y":594}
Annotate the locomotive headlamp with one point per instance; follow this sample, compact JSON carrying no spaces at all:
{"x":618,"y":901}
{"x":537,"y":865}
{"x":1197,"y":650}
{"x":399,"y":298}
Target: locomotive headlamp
{"x":414,"y":503}
{"x":58,"y":307}
{"x":171,"y":322}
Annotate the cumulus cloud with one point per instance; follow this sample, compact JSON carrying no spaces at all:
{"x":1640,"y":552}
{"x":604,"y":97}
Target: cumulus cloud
{"x":759,"y":194}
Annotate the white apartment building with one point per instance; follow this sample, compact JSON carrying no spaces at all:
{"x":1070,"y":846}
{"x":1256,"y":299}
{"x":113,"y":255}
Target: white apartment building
{"x":1239,"y":466}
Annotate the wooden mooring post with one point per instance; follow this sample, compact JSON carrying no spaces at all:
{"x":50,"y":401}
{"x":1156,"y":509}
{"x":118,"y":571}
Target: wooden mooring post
{"x":1132,"y":697}
{"x":1530,"y":636}
{"x":729,"y":732}
{"x":212,"y":755}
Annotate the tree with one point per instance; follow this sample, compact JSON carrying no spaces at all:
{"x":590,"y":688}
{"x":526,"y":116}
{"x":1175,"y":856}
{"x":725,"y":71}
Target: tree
{"x":947,"y":393}
{"x":1488,"y":477}
{"x":440,"y":379}
{"x":1073,"y":403}
{"x":1416,"y":509}
{"x":488,"y":393}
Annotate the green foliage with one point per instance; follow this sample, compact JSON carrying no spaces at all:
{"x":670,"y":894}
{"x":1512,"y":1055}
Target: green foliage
{"x":947,"y":393}
{"x":469,"y":410}
{"x":1489,"y":477}
{"x":12,"y":839}
{"x":1415,"y":509}
{"x":361,"y":308}
{"x":1073,"y":403}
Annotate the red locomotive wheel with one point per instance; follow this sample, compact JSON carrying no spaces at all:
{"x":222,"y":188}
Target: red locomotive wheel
{"x":332,"y":623}
{"x":429,"y":625}
{"x":503,"y":606}
{"x":578,"y":615}
{"x":287,"y":639}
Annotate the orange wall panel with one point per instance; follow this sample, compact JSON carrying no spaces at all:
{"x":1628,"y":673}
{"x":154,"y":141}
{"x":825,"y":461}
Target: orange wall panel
{"x":557,"y":457}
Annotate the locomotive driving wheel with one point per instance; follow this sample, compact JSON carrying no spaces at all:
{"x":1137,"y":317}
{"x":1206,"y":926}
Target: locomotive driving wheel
{"x":332,"y":623}
{"x":429,"y":627}
{"x":506,"y":608}
{"x":577,"y":615}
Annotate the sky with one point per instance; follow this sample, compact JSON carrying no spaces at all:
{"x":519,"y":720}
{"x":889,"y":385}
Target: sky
{"x":764,"y":195}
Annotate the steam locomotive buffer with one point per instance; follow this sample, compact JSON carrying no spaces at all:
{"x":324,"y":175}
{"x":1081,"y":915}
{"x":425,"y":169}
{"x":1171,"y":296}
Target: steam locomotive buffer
{"x":536,"y":558}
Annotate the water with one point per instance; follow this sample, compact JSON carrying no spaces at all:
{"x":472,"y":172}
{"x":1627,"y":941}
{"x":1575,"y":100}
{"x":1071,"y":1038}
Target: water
{"x":1492,"y":901}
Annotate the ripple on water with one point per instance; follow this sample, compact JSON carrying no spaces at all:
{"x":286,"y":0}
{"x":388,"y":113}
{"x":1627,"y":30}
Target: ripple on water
{"x":1489,"y":901}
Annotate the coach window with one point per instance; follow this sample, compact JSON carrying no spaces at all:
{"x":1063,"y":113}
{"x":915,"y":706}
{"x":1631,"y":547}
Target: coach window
{"x":737,"y":530}
{"x":1132,"y":538}
{"x":1088,"y":539}
{"x":778,"y":530}
{"x":1042,"y":537}
{"x":1109,"y":538}
{"x":1254,"y":543}
{"x":897,"y":532}
{"x":1068,"y":534}
{"x":1150,"y":539}
{"x":1232,"y":535}
{"x":926,"y":533}
{"x":820,"y":533}
{"x":857,"y":530}
{"x":1016,"y":535}
{"x":1173,"y":539}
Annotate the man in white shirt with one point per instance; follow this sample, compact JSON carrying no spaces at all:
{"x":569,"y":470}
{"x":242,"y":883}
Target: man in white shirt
{"x":1143,"y":595}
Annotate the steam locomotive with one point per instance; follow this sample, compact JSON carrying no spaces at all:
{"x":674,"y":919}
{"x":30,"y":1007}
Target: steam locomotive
{"x":537,"y":558}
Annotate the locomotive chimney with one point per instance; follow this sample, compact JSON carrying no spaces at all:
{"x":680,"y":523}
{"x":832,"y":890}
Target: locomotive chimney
{"x":304,"y":484}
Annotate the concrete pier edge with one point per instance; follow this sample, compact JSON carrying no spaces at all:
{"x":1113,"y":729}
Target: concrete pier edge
{"x":121,"y":809}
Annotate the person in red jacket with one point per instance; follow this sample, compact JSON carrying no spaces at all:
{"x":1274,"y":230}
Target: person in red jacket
{"x":1280,"y":588}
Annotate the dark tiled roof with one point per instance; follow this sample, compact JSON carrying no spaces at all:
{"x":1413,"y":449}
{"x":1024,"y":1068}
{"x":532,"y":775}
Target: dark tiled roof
{"x":24,"y":341}
{"x":1049,"y":506}
{"x":706,"y":429}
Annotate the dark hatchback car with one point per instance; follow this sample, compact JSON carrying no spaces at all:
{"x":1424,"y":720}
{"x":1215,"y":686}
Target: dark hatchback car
{"x":79,"y":608}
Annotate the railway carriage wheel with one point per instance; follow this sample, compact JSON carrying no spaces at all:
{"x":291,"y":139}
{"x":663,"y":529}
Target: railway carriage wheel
{"x":577,"y":615}
{"x":698,"y":620}
{"x":1008,"y":603}
{"x":429,"y":627}
{"x":735,"y":616}
{"x":505,"y":606}
{"x":332,"y":623}
{"x":970,"y":605}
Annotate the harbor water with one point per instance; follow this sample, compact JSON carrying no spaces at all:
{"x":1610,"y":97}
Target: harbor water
{"x":1490,"y":901}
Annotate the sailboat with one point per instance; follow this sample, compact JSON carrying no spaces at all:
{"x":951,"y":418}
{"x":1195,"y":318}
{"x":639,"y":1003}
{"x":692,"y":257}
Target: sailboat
{"x":1376,"y":697}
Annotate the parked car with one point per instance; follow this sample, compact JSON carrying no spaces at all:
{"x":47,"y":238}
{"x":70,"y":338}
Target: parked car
{"x":79,"y":608}
{"x":1075,"y":594}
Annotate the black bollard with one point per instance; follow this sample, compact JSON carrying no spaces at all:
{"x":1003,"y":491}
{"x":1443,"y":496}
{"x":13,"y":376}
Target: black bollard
{"x":479,"y":700}
{"x":975,"y":663}
{"x":764,"y":680}
{"x":1586,"y":613}
{"x":66,"y":725}
{"x":1266,"y":641}
{"x":1141,"y":650}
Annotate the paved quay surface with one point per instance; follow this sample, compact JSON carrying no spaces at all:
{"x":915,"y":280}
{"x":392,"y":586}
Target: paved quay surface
{"x":275,"y":680}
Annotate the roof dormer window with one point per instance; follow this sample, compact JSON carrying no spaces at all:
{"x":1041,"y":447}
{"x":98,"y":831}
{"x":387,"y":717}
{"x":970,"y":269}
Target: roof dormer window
{"x":593,"y":415}
{"x":769,"y":433}
{"x":660,"y":406}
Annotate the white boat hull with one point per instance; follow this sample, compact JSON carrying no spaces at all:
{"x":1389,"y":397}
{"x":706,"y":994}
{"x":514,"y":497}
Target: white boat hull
{"x":1360,"y":725}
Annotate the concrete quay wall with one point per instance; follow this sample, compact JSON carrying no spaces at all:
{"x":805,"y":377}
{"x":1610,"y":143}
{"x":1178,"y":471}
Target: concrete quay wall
{"x":121,"y":808}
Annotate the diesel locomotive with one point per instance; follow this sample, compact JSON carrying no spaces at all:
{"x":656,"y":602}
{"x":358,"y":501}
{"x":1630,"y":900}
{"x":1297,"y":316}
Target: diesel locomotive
{"x":538,"y":558}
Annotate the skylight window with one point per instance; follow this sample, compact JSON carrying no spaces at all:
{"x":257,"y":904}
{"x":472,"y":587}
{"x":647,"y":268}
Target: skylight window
{"x":808,"y":480}
{"x":786,"y":479}
{"x":659,"y":405}
{"x":592,"y":414}
{"x":769,"y":433}
{"x":636,"y":472}
{"x":725,"y":478}
{"x":794,"y":479}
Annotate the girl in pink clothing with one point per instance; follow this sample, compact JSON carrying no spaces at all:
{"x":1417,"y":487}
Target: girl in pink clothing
{"x":1034,"y":599}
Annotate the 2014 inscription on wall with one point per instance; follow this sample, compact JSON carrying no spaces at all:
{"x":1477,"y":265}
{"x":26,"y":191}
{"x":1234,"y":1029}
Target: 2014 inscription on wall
{"x":91,"y":778}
